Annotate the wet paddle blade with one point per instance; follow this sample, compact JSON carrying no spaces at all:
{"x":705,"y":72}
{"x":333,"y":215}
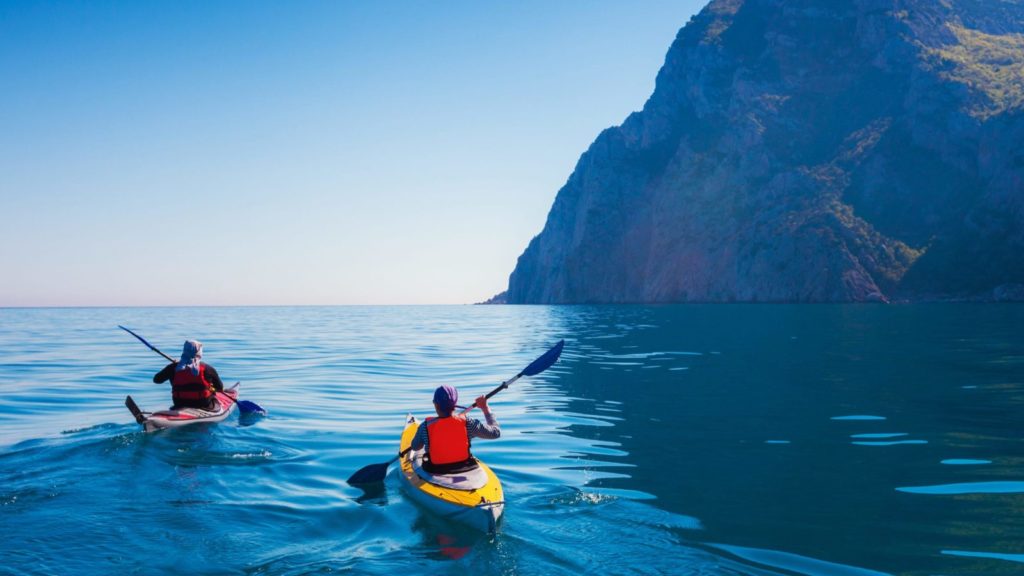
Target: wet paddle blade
{"x":369,"y":474}
{"x":134,"y":409}
{"x":247,"y":407}
{"x":544,"y":362}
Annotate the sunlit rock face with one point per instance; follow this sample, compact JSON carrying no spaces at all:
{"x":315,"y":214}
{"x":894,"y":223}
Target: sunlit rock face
{"x":806,"y":151}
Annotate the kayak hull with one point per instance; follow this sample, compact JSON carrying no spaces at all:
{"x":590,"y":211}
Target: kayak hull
{"x":480,"y":508}
{"x":226,"y":402}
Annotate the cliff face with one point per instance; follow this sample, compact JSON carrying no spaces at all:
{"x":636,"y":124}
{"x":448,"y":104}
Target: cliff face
{"x":805,"y":150}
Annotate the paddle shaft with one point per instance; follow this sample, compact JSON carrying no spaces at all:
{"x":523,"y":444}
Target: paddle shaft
{"x":504,"y":385}
{"x":489,"y":394}
{"x":157,"y":350}
{"x":501,"y":387}
{"x":148,"y":345}
{"x":376,"y":472}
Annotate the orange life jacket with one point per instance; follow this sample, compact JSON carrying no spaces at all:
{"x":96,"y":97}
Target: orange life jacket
{"x":187,"y":388}
{"x":447,"y":440}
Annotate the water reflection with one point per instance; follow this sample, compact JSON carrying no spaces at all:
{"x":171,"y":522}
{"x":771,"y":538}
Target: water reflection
{"x":700,"y":428}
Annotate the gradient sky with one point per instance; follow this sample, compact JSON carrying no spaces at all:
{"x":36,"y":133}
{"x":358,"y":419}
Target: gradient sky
{"x":209,"y":153}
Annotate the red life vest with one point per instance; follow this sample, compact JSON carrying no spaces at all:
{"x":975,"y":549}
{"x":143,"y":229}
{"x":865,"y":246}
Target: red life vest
{"x":447,"y":440}
{"x":187,"y":388}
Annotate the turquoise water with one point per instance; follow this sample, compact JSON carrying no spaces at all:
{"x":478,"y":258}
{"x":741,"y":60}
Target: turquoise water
{"x":729,"y":439}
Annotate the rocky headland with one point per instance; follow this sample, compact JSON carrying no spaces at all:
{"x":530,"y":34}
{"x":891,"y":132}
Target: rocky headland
{"x":805,"y":151}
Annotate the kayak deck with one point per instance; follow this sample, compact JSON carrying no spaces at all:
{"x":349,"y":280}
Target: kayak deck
{"x":159,"y":420}
{"x":480,"y":507}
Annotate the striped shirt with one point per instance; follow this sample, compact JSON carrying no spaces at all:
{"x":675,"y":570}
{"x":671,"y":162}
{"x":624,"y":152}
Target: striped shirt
{"x":476,"y":429}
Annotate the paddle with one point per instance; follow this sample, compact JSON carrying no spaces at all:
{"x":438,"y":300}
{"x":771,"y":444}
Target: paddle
{"x":376,"y":472}
{"x":243,"y":405}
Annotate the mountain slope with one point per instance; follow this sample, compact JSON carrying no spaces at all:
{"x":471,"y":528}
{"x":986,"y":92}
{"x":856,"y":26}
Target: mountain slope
{"x":804,"y":150}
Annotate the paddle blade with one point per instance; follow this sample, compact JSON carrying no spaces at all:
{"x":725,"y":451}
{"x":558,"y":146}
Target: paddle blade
{"x":544,"y":362}
{"x":247,"y":407}
{"x":134,"y":409}
{"x":369,"y":474}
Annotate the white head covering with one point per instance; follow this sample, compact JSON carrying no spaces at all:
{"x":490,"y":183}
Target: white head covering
{"x":191,"y":355}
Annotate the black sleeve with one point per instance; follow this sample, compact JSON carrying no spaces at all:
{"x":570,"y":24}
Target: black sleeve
{"x":165,"y":374}
{"x":214,"y":378}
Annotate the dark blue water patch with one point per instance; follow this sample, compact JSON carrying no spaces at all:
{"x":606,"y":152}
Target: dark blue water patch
{"x":879,"y":435}
{"x":570,"y":528}
{"x":794,"y":563}
{"x":993,"y":487}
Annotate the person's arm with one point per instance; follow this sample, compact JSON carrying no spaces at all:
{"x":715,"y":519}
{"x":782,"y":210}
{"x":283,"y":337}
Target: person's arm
{"x":488,"y":430}
{"x":165,"y":374}
{"x":420,"y":439}
{"x":214,"y":378}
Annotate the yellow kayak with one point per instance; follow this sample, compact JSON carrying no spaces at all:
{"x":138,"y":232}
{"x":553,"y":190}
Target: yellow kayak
{"x":473,"y":498}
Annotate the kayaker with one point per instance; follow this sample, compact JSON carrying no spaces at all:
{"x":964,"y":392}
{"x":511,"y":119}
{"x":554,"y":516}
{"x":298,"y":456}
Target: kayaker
{"x":193,"y":382}
{"x":447,"y":437}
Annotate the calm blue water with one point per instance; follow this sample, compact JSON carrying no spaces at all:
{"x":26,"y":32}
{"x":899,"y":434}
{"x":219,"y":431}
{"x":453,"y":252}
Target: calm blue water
{"x":729,"y":439}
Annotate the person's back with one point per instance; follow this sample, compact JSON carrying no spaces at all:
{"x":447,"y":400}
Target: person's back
{"x":193,"y":382}
{"x":447,"y":437}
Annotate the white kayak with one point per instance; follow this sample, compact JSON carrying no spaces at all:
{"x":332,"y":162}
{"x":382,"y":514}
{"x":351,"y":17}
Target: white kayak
{"x":150,"y":421}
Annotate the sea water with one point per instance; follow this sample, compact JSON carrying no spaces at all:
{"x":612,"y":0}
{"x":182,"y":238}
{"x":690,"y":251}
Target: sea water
{"x":691,"y":439}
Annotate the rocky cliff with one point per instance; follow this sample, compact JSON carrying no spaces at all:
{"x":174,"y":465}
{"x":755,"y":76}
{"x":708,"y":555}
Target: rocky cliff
{"x":809,"y":151}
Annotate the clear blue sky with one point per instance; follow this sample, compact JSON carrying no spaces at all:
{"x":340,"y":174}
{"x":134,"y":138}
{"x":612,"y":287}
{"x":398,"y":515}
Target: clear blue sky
{"x":207,"y":153}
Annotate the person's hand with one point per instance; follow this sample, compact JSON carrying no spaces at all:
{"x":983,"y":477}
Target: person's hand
{"x":481,"y":403}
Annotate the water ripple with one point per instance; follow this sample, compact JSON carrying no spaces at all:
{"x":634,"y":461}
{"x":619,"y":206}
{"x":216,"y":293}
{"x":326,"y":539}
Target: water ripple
{"x":993,"y":555}
{"x":994,"y":487}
